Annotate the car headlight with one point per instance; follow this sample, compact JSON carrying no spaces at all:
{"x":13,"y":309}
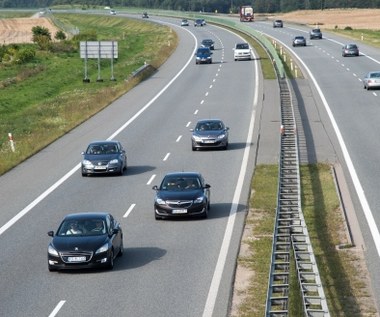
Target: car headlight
{"x":52,"y":251}
{"x":199,"y":200}
{"x":102,"y":249}
{"x":221,"y":136}
{"x":197,"y":138}
{"x":114,"y":161}
{"x":87,"y":163}
{"x":160,"y":201}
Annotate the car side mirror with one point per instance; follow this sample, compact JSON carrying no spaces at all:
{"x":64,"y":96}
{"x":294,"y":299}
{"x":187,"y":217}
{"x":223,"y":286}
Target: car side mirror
{"x":155,"y":187}
{"x":115,"y":230}
{"x":207,"y":186}
{"x":51,"y":233}
{"x":82,"y":153}
{"x":191,"y":130}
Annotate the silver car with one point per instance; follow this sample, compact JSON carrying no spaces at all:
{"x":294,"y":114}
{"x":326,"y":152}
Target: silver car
{"x":299,"y":41}
{"x":209,"y":133}
{"x":315,"y":34}
{"x":104,"y":157}
{"x":372,"y":80}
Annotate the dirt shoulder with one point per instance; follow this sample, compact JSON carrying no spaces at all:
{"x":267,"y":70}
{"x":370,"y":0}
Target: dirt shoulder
{"x":335,"y":18}
{"x":19,"y":30}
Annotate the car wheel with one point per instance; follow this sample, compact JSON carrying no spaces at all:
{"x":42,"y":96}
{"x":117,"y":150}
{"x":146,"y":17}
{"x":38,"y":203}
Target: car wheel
{"x":110,"y":261}
{"x":84,"y":174}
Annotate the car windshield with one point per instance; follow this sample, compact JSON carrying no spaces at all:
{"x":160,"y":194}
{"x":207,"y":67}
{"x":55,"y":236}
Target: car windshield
{"x":243,"y":46}
{"x":351,"y":46}
{"x":299,"y":37}
{"x":101,"y":149}
{"x":82,"y":227}
{"x":180,"y":183}
{"x":209,"y":126}
{"x":375,"y":75}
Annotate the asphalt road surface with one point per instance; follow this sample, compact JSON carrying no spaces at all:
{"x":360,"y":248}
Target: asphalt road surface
{"x":169,"y":268}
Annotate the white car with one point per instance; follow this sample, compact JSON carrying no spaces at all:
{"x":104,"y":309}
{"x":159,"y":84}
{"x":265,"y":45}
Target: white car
{"x":242,"y":51}
{"x":112,"y":12}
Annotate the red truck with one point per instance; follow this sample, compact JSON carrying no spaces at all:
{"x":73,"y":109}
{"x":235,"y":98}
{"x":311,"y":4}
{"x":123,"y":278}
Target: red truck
{"x":246,"y":14}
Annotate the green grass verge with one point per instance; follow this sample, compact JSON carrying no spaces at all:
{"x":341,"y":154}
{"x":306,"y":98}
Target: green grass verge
{"x":370,"y":37}
{"x":44,"y":99}
{"x":343,"y":279}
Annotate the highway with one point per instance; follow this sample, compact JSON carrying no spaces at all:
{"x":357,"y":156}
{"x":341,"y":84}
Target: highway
{"x":349,"y":116}
{"x":169,"y":268}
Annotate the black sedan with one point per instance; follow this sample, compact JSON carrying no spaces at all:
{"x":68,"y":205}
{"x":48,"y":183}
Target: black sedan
{"x":104,"y":157}
{"x":208,"y":43}
{"x":85,"y":240}
{"x":199,"y":22}
{"x":182,"y":194}
{"x":209,"y":133}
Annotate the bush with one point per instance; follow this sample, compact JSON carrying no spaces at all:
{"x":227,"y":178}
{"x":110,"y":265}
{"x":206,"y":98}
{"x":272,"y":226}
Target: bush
{"x":40,"y":30}
{"x":24,"y":55}
{"x":348,"y":28}
{"x":43,"y":42}
{"x":60,"y":35}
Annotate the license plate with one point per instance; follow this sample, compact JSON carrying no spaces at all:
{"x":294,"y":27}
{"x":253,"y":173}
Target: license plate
{"x":100,"y":167}
{"x":209,"y":141}
{"x":179,"y":211}
{"x":76,"y":258}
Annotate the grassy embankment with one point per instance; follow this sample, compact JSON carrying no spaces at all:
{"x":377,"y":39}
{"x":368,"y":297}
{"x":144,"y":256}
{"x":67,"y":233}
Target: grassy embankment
{"x":42,"y":100}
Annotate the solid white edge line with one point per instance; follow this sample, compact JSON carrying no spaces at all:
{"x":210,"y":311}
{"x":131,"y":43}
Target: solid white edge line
{"x":57,"y":308}
{"x":217,"y":277}
{"x":24,"y":211}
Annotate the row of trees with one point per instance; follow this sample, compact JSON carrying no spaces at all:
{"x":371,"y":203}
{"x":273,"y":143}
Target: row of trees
{"x":223,"y":6}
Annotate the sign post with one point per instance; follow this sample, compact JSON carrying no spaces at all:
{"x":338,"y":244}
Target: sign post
{"x":98,"y":49}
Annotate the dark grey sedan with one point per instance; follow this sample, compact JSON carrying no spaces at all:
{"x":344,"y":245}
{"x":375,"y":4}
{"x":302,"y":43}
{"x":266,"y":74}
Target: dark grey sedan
{"x":209,"y":133}
{"x":182,"y":194}
{"x":103,"y":157}
{"x":350,"y":50}
{"x":208,"y":43}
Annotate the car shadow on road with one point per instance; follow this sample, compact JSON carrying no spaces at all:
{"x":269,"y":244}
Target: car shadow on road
{"x":222,"y":210}
{"x":138,"y":257}
{"x":138,"y":169}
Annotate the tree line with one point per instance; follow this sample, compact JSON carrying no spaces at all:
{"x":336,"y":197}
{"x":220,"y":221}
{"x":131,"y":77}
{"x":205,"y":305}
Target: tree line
{"x":222,"y":6}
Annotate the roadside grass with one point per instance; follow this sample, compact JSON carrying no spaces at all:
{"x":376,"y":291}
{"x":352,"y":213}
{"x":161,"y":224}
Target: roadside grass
{"x":370,"y":37}
{"x":45,"y":99}
{"x":344,"y":281}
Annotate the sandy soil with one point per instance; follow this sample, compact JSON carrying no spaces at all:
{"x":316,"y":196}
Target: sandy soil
{"x":332,"y":18}
{"x":19,"y":30}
